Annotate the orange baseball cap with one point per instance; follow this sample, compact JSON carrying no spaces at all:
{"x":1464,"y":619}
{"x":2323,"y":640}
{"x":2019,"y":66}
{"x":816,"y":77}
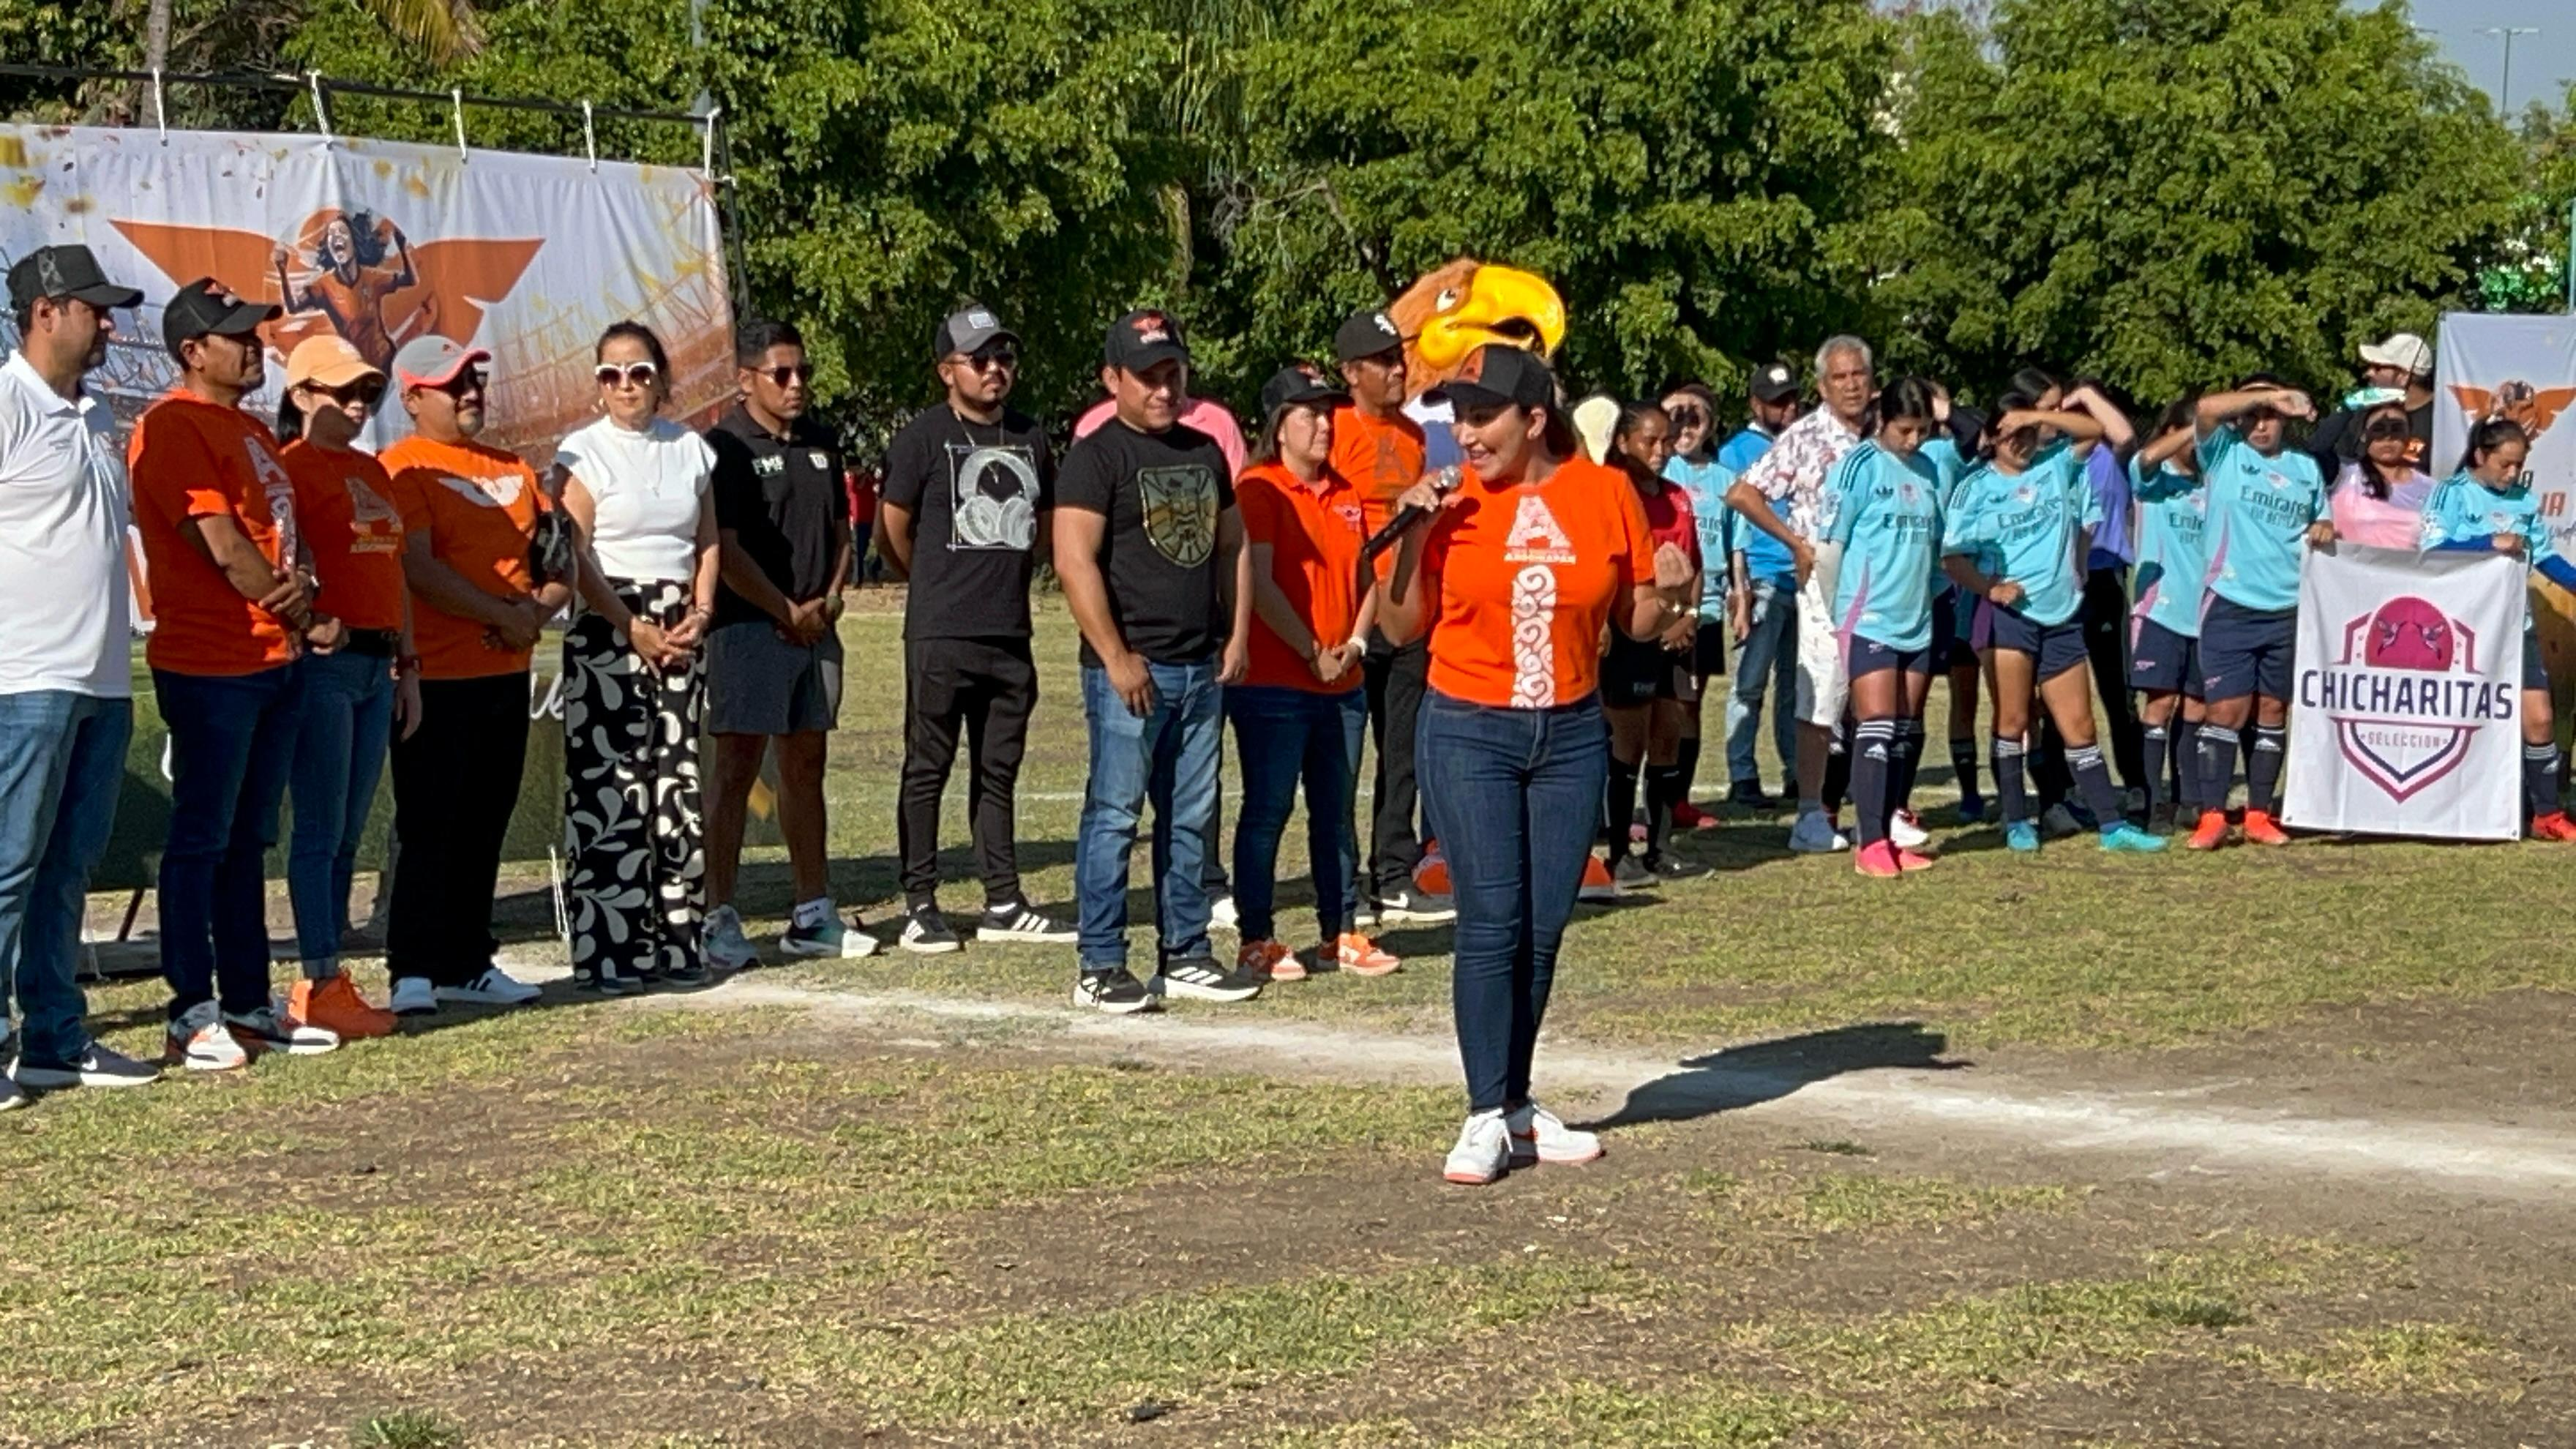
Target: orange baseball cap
{"x":328,"y":361}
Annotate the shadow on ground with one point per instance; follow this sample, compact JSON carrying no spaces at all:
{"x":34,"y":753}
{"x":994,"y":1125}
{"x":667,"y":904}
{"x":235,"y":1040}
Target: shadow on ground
{"x":1765,"y":1071}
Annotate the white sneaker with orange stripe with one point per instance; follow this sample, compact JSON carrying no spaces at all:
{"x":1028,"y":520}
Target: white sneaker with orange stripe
{"x":200,"y":1041}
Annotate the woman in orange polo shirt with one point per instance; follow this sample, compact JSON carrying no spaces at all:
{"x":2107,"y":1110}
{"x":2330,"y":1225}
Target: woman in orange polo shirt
{"x":1300,"y":711}
{"x":352,"y":696}
{"x":1526,"y":563}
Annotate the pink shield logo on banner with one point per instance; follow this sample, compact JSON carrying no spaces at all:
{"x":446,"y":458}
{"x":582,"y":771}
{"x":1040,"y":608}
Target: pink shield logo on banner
{"x":2399,"y":744}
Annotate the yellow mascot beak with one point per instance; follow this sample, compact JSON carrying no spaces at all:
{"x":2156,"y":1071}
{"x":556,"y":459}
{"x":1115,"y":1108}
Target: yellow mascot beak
{"x":1502,"y":305}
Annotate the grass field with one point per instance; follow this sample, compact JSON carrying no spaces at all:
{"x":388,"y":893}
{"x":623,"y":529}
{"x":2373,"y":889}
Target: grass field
{"x":701,"y":1221}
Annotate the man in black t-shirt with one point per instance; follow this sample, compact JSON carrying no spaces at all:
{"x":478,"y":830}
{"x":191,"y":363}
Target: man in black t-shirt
{"x":968,"y":499}
{"x":1150,"y":550}
{"x":774,"y":656}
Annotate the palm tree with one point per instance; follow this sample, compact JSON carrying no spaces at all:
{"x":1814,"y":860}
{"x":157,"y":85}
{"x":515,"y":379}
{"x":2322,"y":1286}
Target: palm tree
{"x":441,"y":31}
{"x":1203,"y":110}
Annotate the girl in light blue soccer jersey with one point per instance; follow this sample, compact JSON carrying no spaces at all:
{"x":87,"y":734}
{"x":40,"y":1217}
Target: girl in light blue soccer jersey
{"x":2489,"y":504}
{"x":2164,"y":620}
{"x":2016,"y":538}
{"x":1882,"y":544}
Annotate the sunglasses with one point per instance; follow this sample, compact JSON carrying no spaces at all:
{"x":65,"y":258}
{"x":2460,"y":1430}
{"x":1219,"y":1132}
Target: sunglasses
{"x":783,"y":376}
{"x":367,"y":392}
{"x":1687,"y":417}
{"x":2384,"y":429}
{"x":463,"y":383}
{"x":633,"y":374}
{"x":1000,"y":359}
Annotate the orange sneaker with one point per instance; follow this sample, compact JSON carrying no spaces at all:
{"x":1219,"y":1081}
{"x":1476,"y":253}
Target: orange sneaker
{"x":1911,"y":860}
{"x":335,"y":1006}
{"x":1431,"y":877}
{"x":1270,"y":961}
{"x":1597,"y":884}
{"x":2262,"y":829}
{"x":2553,"y":826}
{"x":1878,"y":860}
{"x":1360,"y":956}
{"x":2211,"y":833}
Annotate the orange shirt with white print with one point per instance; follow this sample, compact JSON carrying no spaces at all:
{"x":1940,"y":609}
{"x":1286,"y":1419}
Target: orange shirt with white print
{"x":344,"y":503}
{"x":1314,"y":531}
{"x":1526,"y":578}
{"x":478,"y":507}
{"x":1381,"y":457}
{"x":190,"y":459}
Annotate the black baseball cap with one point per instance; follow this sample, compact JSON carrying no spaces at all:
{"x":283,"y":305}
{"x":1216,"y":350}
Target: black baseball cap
{"x":66,"y":271}
{"x":967,"y":331}
{"x":205,"y":307}
{"x":1497,"y":374}
{"x":1143,"y":338}
{"x":1774,"y":382}
{"x":1367,"y":334}
{"x":1299,"y":383}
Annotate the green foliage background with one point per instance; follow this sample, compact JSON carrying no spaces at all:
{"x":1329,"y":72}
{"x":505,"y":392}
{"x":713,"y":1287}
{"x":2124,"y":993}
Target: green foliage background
{"x":2159,"y":192}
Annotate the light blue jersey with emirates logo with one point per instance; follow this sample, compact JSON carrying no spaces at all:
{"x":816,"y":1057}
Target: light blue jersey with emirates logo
{"x":2173,"y":546}
{"x":2464,"y":511}
{"x":2259,"y":512}
{"x":1886,"y":513}
{"x":2028,"y":528}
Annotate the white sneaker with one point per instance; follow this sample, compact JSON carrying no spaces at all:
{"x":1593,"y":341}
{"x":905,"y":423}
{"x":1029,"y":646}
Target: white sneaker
{"x":1537,"y":1136}
{"x":1484,"y":1150}
{"x":1221,"y":910}
{"x":199,"y":1039}
{"x":272,"y":1029}
{"x":2057,"y":822}
{"x":1814,"y":834}
{"x":1907,"y":832}
{"x":827,"y":938}
{"x":495,"y":987}
{"x":413,"y":996}
{"x":723,"y":941}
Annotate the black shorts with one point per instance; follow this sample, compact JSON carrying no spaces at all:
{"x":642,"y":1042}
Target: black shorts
{"x":1864,"y":656}
{"x":1641,"y":671}
{"x":2535,"y":670}
{"x":1954,"y":614}
{"x":2162,"y":661}
{"x":1708,"y":651}
{"x":2057,"y":647}
{"x":2246,"y":651}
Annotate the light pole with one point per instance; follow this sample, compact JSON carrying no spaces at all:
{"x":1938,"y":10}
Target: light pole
{"x":2504,"y":102}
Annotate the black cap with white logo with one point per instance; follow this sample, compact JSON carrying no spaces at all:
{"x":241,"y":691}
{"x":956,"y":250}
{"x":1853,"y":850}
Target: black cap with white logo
{"x":1496,"y":375}
{"x":205,"y":307}
{"x":1366,"y":334}
{"x":1774,"y":382}
{"x":968,"y":331}
{"x":1143,"y":338}
{"x":1299,"y":383}
{"x":66,"y":271}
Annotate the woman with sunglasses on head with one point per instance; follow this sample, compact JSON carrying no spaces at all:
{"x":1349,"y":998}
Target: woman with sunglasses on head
{"x":1648,"y":689}
{"x":355,"y":695}
{"x":2016,"y":539}
{"x":2164,"y":619}
{"x":1515,"y":576}
{"x":635,"y":485}
{"x":2489,"y":504}
{"x":2378,"y":499}
{"x":1694,"y":466}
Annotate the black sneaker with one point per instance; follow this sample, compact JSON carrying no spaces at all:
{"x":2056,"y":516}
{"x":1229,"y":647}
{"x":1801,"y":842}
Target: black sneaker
{"x":1022,"y":922}
{"x":97,"y":1067}
{"x":925,"y":931}
{"x":2160,"y":817}
{"x":1631,"y":874}
{"x":1116,"y":991}
{"x":1203,"y":979}
{"x":687,"y":977}
{"x":11,"y":1099}
{"x":1667,"y":866}
{"x":610,"y":982}
{"x":1748,"y":794}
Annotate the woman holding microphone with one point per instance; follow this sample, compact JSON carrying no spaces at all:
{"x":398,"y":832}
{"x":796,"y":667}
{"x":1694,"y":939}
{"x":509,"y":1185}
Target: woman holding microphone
{"x":1519,"y":571}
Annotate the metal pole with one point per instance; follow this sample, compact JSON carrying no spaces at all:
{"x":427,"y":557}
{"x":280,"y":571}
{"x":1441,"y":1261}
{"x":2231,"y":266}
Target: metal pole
{"x":2507,"y":33}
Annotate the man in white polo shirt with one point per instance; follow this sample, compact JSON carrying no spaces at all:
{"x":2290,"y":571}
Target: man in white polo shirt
{"x":66,"y":690}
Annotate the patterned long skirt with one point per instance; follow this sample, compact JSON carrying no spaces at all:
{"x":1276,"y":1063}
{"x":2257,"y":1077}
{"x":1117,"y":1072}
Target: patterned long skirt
{"x":632,"y":826}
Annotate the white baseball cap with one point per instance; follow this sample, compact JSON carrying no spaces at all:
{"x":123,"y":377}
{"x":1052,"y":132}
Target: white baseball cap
{"x":2405,"y":350}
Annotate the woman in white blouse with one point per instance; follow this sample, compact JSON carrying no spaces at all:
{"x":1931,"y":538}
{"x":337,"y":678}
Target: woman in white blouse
{"x":635,"y":486}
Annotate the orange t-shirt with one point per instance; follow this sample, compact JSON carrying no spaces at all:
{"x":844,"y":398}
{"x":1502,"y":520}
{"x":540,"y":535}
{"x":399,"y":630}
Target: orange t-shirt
{"x":1525,"y":579}
{"x":1314,"y":535}
{"x":477,"y":506}
{"x":190,"y":458}
{"x":1381,"y":458}
{"x":344,"y":503}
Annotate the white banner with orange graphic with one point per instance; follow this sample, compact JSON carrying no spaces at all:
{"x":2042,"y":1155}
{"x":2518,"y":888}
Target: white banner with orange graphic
{"x":2523,"y":368}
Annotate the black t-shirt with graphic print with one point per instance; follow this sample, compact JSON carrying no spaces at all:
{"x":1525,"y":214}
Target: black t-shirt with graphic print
{"x":975,"y":492}
{"x":1162,"y":494}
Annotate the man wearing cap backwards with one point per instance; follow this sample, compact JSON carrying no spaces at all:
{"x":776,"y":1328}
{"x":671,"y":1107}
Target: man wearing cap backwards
{"x":774,"y":658}
{"x":2403,"y":362}
{"x":1150,"y":550}
{"x":1379,"y":451}
{"x":1761,"y":605}
{"x":469,"y":514}
{"x":968,"y":500}
{"x":66,"y":705}
{"x":232,"y":608}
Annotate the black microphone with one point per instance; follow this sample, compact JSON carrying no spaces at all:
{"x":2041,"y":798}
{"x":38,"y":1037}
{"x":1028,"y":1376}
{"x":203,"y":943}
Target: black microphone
{"x":1444,"y":481}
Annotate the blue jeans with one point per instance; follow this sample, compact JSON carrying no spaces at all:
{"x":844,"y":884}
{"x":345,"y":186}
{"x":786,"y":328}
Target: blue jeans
{"x":339,"y":755}
{"x":1168,"y":756}
{"x":1768,"y":658}
{"x":1515,"y":795}
{"x":62,"y":763}
{"x":1282,"y":737}
{"x":232,"y":739}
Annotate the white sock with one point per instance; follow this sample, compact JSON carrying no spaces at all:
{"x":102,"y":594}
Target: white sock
{"x":814,"y":912}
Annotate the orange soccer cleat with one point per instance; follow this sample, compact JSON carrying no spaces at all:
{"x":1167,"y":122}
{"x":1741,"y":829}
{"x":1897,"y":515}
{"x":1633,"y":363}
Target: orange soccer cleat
{"x":2262,"y":829}
{"x":1878,"y":860}
{"x":2553,"y":826}
{"x":2211,"y":833}
{"x":334,"y":1005}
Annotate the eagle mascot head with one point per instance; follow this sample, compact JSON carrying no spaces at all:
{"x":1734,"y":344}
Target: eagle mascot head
{"x":1451,"y":311}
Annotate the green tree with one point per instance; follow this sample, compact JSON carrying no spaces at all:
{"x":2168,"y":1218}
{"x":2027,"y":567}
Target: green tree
{"x":2167,"y":192}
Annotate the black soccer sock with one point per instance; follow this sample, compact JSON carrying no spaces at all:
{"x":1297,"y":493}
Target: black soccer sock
{"x":2540,"y":778}
{"x":1963,"y":763}
{"x":2186,"y":768}
{"x":1838,"y":774}
{"x":2008,"y":780}
{"x":2093,"y":778}
{"x":1664,"y":790}
{"x":2152,"y":740}
{"x":1686,"y":760}
{"x":2217,"y":767}
{"x":1872,"y":770}
{"x":1620,"y":806}
{"x":1909,"y":758}
{"x":2263,"y":769}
